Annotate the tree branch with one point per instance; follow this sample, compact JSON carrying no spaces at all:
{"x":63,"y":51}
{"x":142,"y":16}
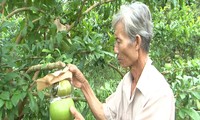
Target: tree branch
{"x":2,"y":4}
{"x":21,"y":105}
{"x":87,"y":11}
{"x":37,"y":19}
{"x":20,"y":10}
{"x":115,"y":68}
{"x":17,"y":11}
{"x":19,"y":38}
{"x":95,"y":5}
{"x":80,"y":11}
{"x":48,"y":66}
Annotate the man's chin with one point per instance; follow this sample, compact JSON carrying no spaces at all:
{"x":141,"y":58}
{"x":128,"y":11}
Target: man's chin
{"x":123,"y":65}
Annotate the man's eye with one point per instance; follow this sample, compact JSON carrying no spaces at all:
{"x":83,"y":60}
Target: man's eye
{"x":118,"y":41}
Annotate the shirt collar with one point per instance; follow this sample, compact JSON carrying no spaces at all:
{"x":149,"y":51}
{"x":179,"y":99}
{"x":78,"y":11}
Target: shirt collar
{"x":127,"y":84}
{"x":143,"y":82}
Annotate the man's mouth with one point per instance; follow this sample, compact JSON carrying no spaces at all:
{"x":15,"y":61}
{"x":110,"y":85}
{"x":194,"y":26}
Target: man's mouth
{"x":119,"y":59}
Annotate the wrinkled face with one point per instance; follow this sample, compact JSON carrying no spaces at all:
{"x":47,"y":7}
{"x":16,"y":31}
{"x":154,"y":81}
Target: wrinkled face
{"x":126,"y":50}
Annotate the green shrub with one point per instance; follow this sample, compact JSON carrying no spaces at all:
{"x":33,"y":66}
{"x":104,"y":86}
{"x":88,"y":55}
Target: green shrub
{"x":175,"y":50}
{"x":185,"y":81}
{"x":28,"y":37}
{"x":176,"y":34}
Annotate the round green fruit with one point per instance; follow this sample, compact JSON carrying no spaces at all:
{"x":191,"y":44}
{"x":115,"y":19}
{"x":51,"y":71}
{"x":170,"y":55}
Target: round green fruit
{"x":60,"y":109}
{"x":64,"y":88}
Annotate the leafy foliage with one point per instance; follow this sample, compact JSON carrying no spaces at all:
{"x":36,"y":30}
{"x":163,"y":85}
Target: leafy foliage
{"x":185,"y":80}
{"x":175,"y":50}
{"x":176,"y":33}
{"x":29,"y":36}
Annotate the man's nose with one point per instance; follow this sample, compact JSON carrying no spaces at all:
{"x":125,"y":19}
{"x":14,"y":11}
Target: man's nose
{"x":115,"y":48}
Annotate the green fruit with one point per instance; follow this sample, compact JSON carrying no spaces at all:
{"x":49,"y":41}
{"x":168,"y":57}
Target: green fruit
{"x":64,"y":88}
{"x":60,"y":109}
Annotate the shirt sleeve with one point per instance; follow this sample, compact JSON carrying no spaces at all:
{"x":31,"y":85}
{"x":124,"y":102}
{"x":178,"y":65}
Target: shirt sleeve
{"x":111,"y":104}
{"x":162,"y":108}
{"x":109,"y":108}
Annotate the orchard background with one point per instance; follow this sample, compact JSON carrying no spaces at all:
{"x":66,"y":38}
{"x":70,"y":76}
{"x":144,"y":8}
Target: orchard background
{"x":48,"y":32}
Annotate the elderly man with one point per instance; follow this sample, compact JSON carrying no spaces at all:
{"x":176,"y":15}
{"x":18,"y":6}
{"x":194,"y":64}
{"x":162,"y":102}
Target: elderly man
{"x":143,"y":93}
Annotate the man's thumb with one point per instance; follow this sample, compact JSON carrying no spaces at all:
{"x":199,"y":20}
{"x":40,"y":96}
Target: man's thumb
{"x":76,"y":114}
{"x":73,"y":110}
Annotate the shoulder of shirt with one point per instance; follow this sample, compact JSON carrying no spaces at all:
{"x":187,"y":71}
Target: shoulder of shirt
{"x":152,"y":81}
{"x":127,"y":79}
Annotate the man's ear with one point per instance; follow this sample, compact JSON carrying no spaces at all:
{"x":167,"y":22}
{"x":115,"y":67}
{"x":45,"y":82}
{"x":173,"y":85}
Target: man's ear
{"x":138,"y":41}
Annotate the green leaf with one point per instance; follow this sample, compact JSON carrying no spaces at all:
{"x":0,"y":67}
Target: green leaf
{"x":192,"y":113}
{"x":15,"y":98}
{"x":182,"y":95}
{"x":34,"y":9}
{"x":41,"y":95}
{"x":181,"y":113}
{"x":30,"y":24}
{"x":42,"y":21}
{"x":9,"y":105}
{"x":56,"y":49}
{"x":198,"y":104}
{"x":59,"y":37}
{"x":5,"y":95}
{"x":32,"y":104}
{"x":46,"y":51}
{"x":24,"y":31}
{"x":11,"y":75}
{"x":49,"y":57}
{"x":68,"y":60}
{"x":196,"y":94}
{"x":1,"y":104}
{"x":1,"y":112}
{"x":11,"y":113}
{"x":23,"y":95}
{"x":108,"y":53}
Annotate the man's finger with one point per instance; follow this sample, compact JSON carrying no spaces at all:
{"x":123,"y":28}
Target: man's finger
{"x":73,"y":110}
{"x":76,"y":114}
{"x":71,"y":67}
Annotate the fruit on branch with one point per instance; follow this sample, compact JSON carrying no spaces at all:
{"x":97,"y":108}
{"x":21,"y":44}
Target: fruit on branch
{"x":64,"y":88}
{"x":60,"y":109}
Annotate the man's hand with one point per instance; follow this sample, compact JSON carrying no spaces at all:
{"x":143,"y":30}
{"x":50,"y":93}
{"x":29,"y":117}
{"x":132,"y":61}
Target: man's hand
{"x":79,"y":81}
{"x":77,"y":76}
{"x":76,"y":114}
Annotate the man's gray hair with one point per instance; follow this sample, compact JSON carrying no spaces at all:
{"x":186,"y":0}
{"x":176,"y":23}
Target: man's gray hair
{"x":136,"y":18}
